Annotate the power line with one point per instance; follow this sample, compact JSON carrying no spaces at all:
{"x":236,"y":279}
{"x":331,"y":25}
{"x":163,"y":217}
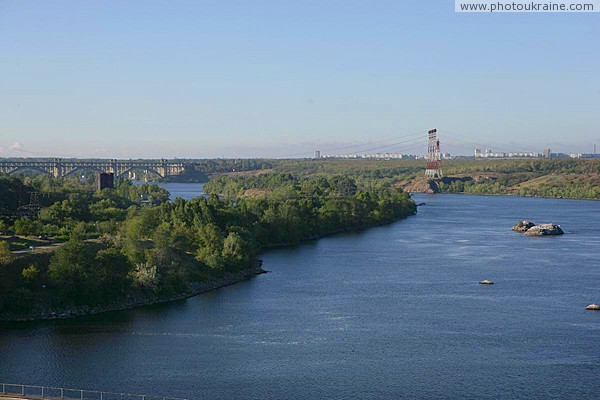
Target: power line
{"x":496,"y":146}
{"x":390,"y":145}
{"x":337,"y":148}
{"x":358,"y":145}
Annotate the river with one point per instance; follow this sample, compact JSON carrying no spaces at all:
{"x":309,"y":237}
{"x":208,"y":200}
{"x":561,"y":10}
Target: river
{"x":392,"y":312}
{"x":186,"y":191}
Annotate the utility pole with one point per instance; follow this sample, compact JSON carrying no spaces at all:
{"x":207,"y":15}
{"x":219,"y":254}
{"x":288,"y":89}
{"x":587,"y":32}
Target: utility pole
{"x":434,"y":160}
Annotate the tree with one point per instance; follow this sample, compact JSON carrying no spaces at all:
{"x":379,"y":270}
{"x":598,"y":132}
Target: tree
{"x":25,"y":226}
{"x":72,"y":269}
{"x":146,"y":275}
{"x":3,"y":227}
{"x":211,"y":246}
{"x":162,"y":236}
{"x":112,"y":269}
{"x":79,"y":231}
{"x":237,"y":252}
{"x":30,"y":273}
{"x":6,"y":255}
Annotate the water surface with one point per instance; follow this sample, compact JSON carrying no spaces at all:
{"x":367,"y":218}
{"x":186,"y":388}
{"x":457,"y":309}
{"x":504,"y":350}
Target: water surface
{"x":392,"y":312}
{"x":186,"y":191}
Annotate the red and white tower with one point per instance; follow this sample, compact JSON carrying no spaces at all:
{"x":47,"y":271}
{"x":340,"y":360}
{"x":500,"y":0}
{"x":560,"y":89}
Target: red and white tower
{"x":434,"y":159}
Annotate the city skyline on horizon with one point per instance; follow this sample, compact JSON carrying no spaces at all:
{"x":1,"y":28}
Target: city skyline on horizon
{"x":413,"y":150}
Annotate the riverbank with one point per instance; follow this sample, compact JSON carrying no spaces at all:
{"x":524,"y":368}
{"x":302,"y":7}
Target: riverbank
{"x":457,"y":185}
{"x":142,"y":300}
{"x":508,"y":195}
{"x":133,"y":301}
{"x":166,"y":247}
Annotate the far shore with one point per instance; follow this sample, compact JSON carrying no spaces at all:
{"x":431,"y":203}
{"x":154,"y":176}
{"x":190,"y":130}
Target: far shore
{"x":505,"y":195}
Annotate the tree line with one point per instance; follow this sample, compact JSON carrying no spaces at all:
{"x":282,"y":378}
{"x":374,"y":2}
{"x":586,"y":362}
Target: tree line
{"x":117,"y":245}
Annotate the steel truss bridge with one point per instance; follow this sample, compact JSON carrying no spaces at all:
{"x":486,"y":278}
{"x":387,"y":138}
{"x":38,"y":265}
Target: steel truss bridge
{"x":64,"y":168}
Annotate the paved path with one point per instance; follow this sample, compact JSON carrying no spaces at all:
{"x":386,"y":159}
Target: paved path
{"x":40,"y":248}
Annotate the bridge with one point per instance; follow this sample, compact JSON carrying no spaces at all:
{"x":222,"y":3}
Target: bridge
{"x":64,"y":168}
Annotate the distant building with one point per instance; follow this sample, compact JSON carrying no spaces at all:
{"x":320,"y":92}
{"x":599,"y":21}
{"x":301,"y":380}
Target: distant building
{"x":559,"y":155}
{"x":317,"y":154}
{"x":522,"y":154}
{"x":106,"y":180}
{"x":375,"y":156}
{"x":584,"y":155}
{"x":547,"y":153}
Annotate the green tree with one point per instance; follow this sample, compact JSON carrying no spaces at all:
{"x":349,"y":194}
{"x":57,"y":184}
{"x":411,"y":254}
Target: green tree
{"x":6,"y":256}
{"x":72,"y":270}
{"x":146,"y":275}
{"x":26,"y":226}
{"x":3,"y":227}
{"x":112,"y":270}
{"x":211,"y":246}
{"x":30,"y":273}
{"x":237,"y":252}
{"x":79,"y":231}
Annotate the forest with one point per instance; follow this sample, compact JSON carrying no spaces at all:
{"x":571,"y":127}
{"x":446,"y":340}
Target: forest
{"x":132,"y":240}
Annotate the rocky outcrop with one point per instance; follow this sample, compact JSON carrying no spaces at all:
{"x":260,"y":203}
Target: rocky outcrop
{"x":523,"y":226}
{"x":426,"y":185}
{"x":421,"y":186}
{"x":544,"y":230}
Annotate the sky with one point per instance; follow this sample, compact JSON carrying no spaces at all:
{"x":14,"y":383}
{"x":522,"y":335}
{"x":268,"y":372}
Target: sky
{"x":225,"y":78}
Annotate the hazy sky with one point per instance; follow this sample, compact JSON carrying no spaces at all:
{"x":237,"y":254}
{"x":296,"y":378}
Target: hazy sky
{"x":244,"y":78}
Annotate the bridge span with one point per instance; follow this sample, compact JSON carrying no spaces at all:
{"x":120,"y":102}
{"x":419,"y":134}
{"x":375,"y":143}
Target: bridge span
{"x":63,"y":168}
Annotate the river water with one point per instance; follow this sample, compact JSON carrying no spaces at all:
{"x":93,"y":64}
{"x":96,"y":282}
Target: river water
{"x":186,"y":191}
{"x":392,"y":312}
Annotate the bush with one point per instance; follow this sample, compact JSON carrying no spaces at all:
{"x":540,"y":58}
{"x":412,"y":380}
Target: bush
{"x":6,"y":255}
{"x":26,"y":226}
{"x":30,"y":273}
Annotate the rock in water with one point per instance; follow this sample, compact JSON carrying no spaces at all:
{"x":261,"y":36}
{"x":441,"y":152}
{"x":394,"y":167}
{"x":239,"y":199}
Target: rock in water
{"x":544,"y":229}
{"x":523,"y":226}
{"x":593,"y":307}
{"x":486,"y":282}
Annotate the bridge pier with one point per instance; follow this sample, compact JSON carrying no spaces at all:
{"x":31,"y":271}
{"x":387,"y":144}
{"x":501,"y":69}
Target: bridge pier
{"x":57,"y":168}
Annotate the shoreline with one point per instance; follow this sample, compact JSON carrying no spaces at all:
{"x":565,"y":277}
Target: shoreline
{"x":506,"y":195}
{"x":195,"y":288}
{"x":130,"y":302}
